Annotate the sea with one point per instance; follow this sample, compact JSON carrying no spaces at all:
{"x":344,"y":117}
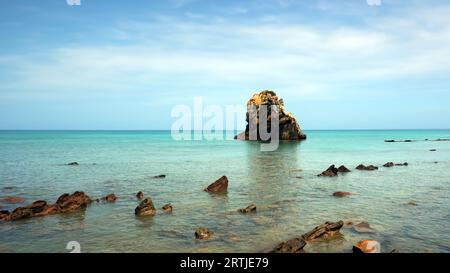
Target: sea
{"x":408,"y":207}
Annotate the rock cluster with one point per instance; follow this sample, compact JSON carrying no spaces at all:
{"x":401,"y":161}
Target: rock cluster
{"x":333,"y":171}
{"x":289,"y":129}
{"x":363,"y":167}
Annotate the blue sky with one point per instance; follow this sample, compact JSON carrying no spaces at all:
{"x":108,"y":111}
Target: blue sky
{"x":125,"y":64}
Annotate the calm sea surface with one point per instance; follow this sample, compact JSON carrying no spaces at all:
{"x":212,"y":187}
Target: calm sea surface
{"x":123,"y":162}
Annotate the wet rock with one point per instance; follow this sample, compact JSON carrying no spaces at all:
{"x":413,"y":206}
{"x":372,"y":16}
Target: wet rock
{"x":219,"y":186}
{"x":330,"y":172}
{"x":73,"y":202}
{"x":389,"y":164}
{"x":363,"y":227}
{"x":167,"y":208}
{"x":159,"y":176}
{"x":110,"y":197}
{"x":140,"y":195}
{"x":203,"y":233}
{"x":367,"y":246}
{"x":37,"y":208}
{"x":341,"y":194}
{"x":12,"y":200}
{"x":343,"y":169}
{"x":325,"y":231}
{"x":295,"y":245}
{"x":145,"y":208}
{"x":250,"y":208}
{"x":402,"y":164}
{"x":73,"y":164}
{"x":4,"y":214}
{"x":433,"y":150}
{"x":289,"y":129}
{"x":362,"y":167}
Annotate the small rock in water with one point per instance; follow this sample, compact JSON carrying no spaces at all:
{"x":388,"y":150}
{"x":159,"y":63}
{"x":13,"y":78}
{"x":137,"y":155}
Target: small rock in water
{"x":110,"y":197}
{"x":341,"y":193}
{"x":363,"y":227}
{"x":299,"y":177}
{"x":145,"y":208}
{"x":219,"y":186}
{"x":250,"y":208}
{"x":362,"y":167}
{"x":330,"y":172}
{"x":402,"y":164}
{"x":12,"y":200}
{"x":389,"y":164}
{"x":203,"y":233}
{"x":73,"y":164}
{"x":325,"y":231}
{"x":4,"y":214}
{"x":72,"y":202}
{"x":412,"y":203}
{"x":343,"y":169}
{"x":389,"y":140}
{"x":295,"y":245}
{"x":433,"y":150}
{"x":167,"y":208}
{"x":234,"y":238}
{"x":367,"y":246}
{"x":159,"y":176}
{"x":140,"y":195}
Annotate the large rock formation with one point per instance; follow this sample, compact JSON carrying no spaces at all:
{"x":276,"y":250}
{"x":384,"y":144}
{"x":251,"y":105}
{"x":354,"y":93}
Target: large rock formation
{"x":288,"y":126}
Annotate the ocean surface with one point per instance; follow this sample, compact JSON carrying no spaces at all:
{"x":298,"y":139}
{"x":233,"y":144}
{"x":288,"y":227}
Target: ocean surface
{"x":34,"y":163}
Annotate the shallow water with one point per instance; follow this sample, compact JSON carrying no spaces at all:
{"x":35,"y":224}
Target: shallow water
{"x":124,"y":162}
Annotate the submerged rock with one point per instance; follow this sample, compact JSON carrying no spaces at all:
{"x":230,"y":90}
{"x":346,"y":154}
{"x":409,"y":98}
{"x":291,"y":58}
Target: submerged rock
{"x":12,"y":200}
{"x":412,"y":203}
{"x":363,"y":227}
{"x":250,"y":208}
{"x":203,"y":233}
{"x":433,"y":150}
{"x":159,"y":176}
{"x":330,"y":172}
{"x":72,"y":202}
{"x":367,"y":246}
{"x":110,"y":197}
{"x":73,"y":164}
{"x":167,"y":208}
{"x":145,"y":208}
{"x":362,"y":167}
{"x":325,"y":231}
{"x":295,"y":245}
{"x":341,"y":194}
{"x":219,"y":186}
{"x":289,"y":129}
{"x":140,"y":195}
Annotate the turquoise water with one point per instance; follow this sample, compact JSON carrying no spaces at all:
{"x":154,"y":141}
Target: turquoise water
{"x":124,"y":162}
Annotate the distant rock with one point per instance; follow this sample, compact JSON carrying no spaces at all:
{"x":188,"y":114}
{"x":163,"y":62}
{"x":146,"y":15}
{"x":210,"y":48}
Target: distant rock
{"x":362,"y":167}
{"x":389,"y":164}
{"x":219,"y":186}
{"x":159,"y":176}
{"x":140,"y":195}
{"x":167,"y":208}
{"x":203,"y":233}
{"x":110,"y":197}
{"x":433,"y":150}
{"x":402,"y":164}
{"x":145,"y":208}
{"x":343,"y":169}
{"x":341,"y":194}
{"x":73,"y":164}
{"x":289,"y":129}
{"x":12,"y":200}
{"x":367,"y":246}
{"x":330,"y":172}
{"x":325,"y":231}
{"x":295,"y":245}
{"x":412,"y":203}
{"x":250,"y":208}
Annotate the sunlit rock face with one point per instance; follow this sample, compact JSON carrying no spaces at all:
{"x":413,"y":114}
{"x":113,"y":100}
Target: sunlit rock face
{"x":289,"y":129}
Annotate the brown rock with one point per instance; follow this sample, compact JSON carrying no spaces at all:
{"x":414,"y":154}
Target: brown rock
{"x":250,"y":208}
{"x":110,"y":197}
{"x":37,"y":208}
{"x":72,"y":202}
{"x":325,"y":231}
{"x":145,"y":208}
{"x":362,"y":167}
{"x":412,"y":203}
{"x":367,"y":246}
{"x":343,"y":169}
{"x":203,"y":233}
{"x":295,"y":245}
{"x":341,"y":194}
{"x":289,"y":129}
{"x":219,"y":186}
{"x":4,"y":214}
{"x":140,"y":195}
{"x":330,"y":172}
{"x":167,"y":208}
{"x":12,"y":200}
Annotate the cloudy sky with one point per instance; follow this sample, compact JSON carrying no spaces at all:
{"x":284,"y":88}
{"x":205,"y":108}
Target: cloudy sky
{"x":125,"y":64}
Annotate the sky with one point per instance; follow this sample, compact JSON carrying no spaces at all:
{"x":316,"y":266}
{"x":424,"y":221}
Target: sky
{"x":117,"y":65}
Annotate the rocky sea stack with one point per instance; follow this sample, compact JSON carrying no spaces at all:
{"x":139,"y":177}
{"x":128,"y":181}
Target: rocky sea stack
{"x":288,"y":126}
